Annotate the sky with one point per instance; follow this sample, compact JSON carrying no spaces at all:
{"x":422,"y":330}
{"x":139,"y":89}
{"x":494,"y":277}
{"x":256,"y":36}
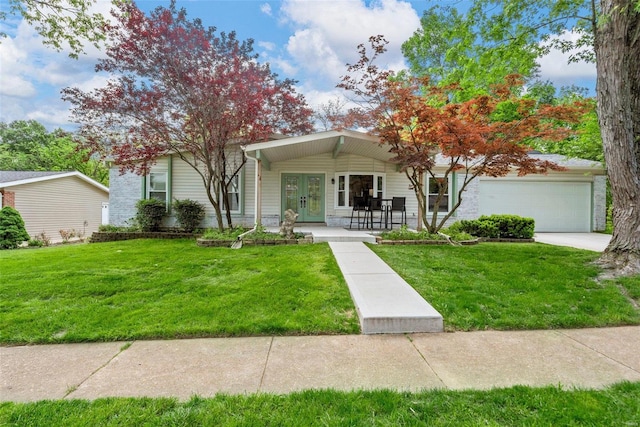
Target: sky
{"x":310,"y":41}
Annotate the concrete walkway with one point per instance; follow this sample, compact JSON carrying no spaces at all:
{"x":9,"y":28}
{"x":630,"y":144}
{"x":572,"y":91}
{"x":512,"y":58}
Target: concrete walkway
{"x":597,"y":242}
{"x":588,"y":358}
{"x":385,"y":302}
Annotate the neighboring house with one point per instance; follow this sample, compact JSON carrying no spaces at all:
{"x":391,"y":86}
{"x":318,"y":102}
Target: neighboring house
{"x":52,"y":201}
{"x":318,"y":175}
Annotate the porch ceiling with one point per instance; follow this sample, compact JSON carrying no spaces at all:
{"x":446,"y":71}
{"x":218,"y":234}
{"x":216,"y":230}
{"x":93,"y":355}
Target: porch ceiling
{"x":336,"y":142}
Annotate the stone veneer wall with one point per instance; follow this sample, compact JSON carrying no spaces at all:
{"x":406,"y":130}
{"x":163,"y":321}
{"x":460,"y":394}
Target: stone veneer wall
{"x":124,"y":192}
{"x":600,"y":203}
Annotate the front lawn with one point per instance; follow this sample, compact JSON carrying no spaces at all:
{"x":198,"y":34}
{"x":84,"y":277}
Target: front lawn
{"x":515,"y":286}
{"x":145,"y":289}
{"x":516,"y":406}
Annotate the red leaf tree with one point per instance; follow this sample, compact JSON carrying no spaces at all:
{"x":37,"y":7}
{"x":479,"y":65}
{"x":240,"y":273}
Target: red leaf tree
{"x":486,"y":135}
{"x":180,"y":88}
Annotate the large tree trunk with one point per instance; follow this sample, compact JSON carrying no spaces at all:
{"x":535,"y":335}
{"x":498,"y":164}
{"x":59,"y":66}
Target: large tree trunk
{"x":617,"y":47}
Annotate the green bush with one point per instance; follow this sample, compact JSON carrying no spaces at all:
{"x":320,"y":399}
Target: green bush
{"x":456,"y":234}
{"x":481,"y":227}
{"x":189,"y":214}
{"x":498,"y":226}
{"x":227,"y":234}
{"x":12,"y":231}
{"x":150,"y":214}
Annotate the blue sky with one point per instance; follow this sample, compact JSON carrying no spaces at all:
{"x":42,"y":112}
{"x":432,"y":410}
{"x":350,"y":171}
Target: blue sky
{"x":307,"y":40}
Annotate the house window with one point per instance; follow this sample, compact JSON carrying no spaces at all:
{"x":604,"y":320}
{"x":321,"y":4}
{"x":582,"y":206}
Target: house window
{"x":352,"y":185}
{"x":435,"y":185}
{"x":233,"y":190}
{"x":157,"y":186}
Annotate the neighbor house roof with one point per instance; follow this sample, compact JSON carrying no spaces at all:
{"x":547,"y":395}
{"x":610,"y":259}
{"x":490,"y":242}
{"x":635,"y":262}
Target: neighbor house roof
{"x":14,"y":178}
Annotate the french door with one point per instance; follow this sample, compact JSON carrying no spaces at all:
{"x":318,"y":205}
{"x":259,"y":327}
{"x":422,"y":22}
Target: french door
{"x":304,"y":194}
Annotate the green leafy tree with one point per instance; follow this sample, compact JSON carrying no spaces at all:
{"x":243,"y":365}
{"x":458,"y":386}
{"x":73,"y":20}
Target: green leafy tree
{"x":607,"y":31}
{"x":451,"y":47}
{"x":12,"y":231}
{"x":28,"y":146}
{"x":585,"y":142}
{"x":62,"y":23}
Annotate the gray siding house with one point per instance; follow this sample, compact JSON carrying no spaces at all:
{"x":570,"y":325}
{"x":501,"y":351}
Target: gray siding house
{"x":52,"y":201}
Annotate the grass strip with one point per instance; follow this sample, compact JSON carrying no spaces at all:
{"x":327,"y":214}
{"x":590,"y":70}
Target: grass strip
{"x":148,"y":289}
{"x":515,"y":286}
{"x":515,"y":406}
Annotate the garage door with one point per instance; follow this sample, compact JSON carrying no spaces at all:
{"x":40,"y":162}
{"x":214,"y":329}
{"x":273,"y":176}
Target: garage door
{"x":555,"y":206}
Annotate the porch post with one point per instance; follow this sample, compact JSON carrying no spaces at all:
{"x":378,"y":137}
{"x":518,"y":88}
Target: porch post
{"x":258,"y":219}
{"x":419,"y":226}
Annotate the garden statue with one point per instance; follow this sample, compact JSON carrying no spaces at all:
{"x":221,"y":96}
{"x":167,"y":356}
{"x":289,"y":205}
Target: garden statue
{"x":286,"y":229}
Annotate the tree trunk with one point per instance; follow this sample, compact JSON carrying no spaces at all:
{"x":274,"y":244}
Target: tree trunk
{"x":617,"y":47}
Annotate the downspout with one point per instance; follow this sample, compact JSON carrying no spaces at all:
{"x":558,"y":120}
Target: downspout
{"x":257,"y":209}
{"x":169,"y":182}
{"x":257,"y":203}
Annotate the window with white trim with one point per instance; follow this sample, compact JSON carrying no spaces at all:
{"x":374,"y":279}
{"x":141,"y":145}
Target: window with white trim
{"x":235,"y":194}
{"x":157,"y":186}
{"x":354,"y":184}
{"x":433,"y":186}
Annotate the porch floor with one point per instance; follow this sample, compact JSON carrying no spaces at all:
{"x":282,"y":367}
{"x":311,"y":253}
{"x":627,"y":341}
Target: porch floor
{"x":323,"y":233}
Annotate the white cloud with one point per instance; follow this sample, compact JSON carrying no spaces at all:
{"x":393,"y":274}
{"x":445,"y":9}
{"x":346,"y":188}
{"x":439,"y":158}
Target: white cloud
{"x":266,"y":9}
{"x":268,"y":46}
{"x":55,"y":117}
{"x":328,"y":32}
{"x":34,"y":74}
{"x":555,"y":66}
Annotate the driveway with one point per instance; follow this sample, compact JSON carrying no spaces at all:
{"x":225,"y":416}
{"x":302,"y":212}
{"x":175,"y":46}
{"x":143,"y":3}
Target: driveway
{"x":590,"y":241}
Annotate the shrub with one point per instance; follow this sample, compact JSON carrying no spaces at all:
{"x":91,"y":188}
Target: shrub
{"x":150,"y":214}
{"x":40,"y":240}
{"x":404,"y":233}
{"x":189,"y":213}
{"x":456,"y":234}
{"x":498,"y":226}
{"x":12,"y":231}
{"x":66,"y":235}
{"x":227,"y":234}
{"x":35,"y":243}
{"x":481,"y":227}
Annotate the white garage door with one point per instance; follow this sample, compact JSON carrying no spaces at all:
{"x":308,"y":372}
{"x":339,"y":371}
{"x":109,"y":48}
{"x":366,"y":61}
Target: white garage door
{"x":555,"y":206}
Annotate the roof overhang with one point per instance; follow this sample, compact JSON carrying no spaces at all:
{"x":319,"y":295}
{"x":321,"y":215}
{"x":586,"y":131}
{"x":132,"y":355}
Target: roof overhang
{"x":336,"y":143}
{"x":53,"y":177}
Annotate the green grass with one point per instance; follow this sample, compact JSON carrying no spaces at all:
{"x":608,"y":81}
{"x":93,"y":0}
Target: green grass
{"x":145,"y":289}
{"x":514,"y":286}
{"x":517,"y":406}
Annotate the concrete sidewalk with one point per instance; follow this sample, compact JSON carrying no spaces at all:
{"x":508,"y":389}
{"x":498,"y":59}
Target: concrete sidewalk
{"x":587,"y":358}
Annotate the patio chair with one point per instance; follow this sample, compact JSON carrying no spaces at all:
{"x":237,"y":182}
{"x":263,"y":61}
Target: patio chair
{"x":376,"y":207}
{"x":398,"y":206}
{"x":360,"y":212}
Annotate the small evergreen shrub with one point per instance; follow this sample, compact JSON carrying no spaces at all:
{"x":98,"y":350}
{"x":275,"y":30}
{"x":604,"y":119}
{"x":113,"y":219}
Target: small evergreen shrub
{"x":12,"y":230}
{"x":35,"y":243}
{"x":189,"y":214}
{"x":498,"y":226}
{"x":150,"y":214}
